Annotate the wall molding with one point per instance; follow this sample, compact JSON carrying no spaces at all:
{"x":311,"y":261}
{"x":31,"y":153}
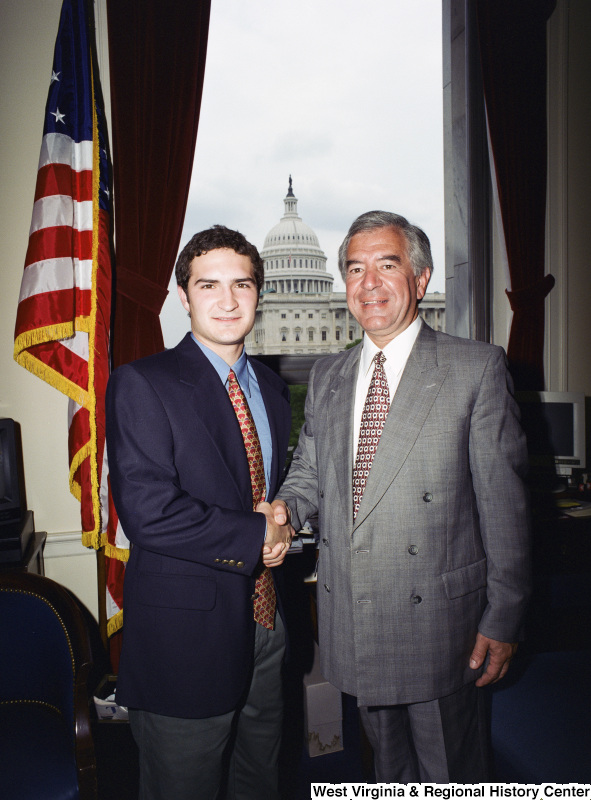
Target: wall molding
{"x":63,"y":545}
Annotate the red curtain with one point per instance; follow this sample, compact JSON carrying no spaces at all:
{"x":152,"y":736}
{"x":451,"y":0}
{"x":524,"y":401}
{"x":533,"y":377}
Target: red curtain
{"x":512,"y":37}
{"x":157,"y":63}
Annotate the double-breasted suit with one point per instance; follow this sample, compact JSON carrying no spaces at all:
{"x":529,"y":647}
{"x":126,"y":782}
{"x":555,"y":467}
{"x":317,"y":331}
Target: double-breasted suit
{"x":439,"y":547}
{"x":181,"y":485}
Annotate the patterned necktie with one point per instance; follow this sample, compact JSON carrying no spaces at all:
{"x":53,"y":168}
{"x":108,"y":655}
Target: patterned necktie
{"x":373,"y":418}
{"x":265,"y":600}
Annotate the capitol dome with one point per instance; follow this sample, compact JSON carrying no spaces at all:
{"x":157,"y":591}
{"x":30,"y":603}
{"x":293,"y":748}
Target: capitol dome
{"x":294,"y":261}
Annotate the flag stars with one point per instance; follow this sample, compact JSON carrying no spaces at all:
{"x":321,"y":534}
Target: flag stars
{"x":59,"y":117}
{"x":55,"y":76}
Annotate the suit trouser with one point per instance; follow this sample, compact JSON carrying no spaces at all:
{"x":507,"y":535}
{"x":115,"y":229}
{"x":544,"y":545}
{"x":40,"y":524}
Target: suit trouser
{"x":446,"y":740}
{"x":187,"y":759}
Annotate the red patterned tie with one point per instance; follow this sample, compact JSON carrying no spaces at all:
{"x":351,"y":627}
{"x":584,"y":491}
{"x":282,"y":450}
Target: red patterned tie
{"x":375,"y":410}
{"x":265,"y":600}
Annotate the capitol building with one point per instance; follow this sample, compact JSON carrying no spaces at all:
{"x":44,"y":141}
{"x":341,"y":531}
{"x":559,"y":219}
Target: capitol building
{"x":298,"y":311}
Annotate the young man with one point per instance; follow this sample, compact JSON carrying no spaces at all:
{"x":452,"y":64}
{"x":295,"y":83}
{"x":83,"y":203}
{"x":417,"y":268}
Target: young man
{"x":197,"y":439}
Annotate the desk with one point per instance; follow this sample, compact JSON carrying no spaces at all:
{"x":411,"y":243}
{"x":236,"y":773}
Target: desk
{"x":562,"y":545}
{"x":561,"y":602}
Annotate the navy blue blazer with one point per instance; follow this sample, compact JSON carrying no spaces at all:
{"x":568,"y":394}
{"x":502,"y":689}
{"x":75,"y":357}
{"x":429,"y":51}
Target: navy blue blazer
{"x":181,"y":486}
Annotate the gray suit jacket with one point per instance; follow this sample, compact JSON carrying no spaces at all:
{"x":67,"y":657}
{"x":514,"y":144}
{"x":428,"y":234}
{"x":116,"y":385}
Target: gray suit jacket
{"x":440,"y":546}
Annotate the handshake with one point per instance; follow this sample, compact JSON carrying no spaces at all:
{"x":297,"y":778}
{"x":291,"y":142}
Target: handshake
{"x":279,"y":532}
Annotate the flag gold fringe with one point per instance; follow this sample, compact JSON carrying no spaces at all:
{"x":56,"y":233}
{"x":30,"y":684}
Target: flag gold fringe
{"x":120,"y":553}
{"x":93,"y":536}
{"x":43,"y":371}
{"x":115,"y":623}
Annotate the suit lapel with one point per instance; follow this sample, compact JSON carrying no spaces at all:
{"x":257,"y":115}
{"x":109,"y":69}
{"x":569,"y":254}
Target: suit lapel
{"x":340,"y":406}
{"x":419,"y":385}
{"x":209,"y":402}
{"x":272,"y":400}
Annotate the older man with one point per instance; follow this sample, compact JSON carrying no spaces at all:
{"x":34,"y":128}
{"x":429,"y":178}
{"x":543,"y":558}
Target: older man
{"x":413,"y":457}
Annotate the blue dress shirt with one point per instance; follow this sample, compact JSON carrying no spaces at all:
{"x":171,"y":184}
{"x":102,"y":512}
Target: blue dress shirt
{"x":249,"y":384}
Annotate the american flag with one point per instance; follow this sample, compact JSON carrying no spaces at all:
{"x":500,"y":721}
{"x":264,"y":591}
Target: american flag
{"x":63,"y":316}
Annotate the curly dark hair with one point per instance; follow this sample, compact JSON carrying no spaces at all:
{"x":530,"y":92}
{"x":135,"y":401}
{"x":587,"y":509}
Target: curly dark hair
{"x":215,"y":238}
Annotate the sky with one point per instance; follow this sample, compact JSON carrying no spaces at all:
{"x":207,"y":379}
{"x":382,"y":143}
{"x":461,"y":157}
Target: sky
{"x":346,"y":97}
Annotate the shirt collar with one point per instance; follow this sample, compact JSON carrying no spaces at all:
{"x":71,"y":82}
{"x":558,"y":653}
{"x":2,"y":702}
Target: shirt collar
{"x":396,"y":351}
{"x":240,"y":367}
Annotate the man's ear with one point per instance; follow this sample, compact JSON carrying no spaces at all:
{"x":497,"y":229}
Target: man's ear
{"x":183,"y":298}
{"x":422,"y":283}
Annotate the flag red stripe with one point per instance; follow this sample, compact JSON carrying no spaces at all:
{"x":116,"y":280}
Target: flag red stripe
{"x":52,"y":308}
{"x":79,"y":431}
{"x":59,"y":242}
{"x":62,"y":360}
{"x":62,"y":179}
{"x":115,"y":575}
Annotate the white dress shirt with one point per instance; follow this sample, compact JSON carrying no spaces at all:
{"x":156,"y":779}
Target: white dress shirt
{"x":397,"y":352}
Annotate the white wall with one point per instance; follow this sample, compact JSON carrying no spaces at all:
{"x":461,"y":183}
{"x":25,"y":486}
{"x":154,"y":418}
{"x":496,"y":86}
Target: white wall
{"x":568,"y":334}
{"x":578,"y":366}
{"x":27,"y":37}
{"x":568,"y":306}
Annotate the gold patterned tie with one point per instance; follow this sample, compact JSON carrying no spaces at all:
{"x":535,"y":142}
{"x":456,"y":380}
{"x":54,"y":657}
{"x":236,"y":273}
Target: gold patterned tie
{"x":373,"y":418}
{"x":265,"y":600}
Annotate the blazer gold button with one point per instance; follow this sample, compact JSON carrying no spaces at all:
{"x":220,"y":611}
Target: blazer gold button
{"x":413,"y":549}
{"x":240,"y":564}
{"x":217,"y":560}
{"x":427,"y":497}
{"x":232,"y":563}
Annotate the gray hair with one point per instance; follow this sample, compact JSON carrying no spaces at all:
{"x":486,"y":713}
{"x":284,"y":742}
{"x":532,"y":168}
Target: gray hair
{"x":419,"y":248}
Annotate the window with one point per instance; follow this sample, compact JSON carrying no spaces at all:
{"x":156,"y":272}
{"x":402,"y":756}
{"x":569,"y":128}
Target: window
{"x":323,"y":336}
{"x":310,"y":316}
{"x":284,"y":316}
{"x":310,"y":335}
{"x":208,"y":167}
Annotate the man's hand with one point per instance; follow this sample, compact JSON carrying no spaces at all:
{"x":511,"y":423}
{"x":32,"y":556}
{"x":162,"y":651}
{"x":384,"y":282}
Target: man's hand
{"x":500,"y":655}
{"x":281,"y":512}
{"x":278,"y":539}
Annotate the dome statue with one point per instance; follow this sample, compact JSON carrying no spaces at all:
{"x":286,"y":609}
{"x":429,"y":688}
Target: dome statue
{"x":294,"y":261}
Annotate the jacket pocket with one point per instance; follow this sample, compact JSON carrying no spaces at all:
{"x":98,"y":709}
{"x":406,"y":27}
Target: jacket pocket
{"x":464,"y":580}
{"x":176,"y":591}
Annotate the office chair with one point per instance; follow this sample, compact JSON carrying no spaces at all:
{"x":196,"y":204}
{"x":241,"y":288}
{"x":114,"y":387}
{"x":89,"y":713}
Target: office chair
{"x":46,"y":746}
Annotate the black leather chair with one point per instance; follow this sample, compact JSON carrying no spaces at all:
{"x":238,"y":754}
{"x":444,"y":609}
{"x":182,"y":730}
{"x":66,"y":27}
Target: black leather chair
{"x":46,"y":746}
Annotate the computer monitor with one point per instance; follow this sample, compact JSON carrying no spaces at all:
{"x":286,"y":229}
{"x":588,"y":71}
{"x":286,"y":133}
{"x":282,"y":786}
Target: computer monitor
{"x":554,"y":425}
